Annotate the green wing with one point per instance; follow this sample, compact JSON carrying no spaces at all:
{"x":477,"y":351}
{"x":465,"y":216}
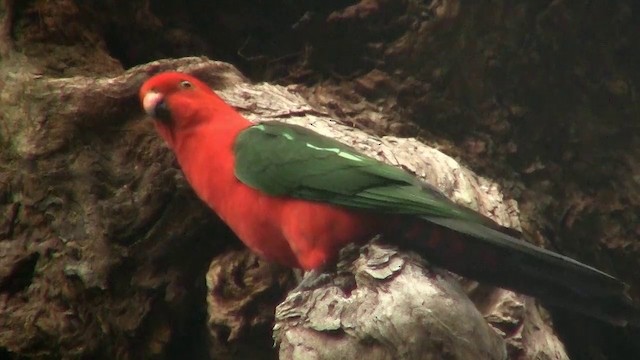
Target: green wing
{"x":288,"y":160}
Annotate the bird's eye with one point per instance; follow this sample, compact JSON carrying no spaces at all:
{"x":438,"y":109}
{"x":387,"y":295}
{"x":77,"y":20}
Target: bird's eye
{"x":184,"y":84}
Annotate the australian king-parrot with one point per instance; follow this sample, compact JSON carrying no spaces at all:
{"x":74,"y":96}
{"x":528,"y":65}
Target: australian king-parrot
{"x":296,"y":197}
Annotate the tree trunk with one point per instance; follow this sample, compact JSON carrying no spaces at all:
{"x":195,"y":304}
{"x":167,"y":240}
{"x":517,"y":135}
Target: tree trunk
{"x":106,"y":253}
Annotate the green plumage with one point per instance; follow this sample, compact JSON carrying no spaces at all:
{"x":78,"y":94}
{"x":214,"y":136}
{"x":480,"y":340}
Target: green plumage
{"x":288,"y":160}
{"x":291,"y":161}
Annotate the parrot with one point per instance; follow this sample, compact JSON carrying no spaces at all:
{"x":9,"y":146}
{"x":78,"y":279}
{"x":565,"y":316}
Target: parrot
{"x":296,"y":197}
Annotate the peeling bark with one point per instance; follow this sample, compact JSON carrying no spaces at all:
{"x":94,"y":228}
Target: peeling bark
{"x":98,"y":229}
{"x":384,"y":305}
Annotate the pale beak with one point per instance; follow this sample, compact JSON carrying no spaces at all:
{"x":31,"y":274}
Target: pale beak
{"x":152,"y":102}
{"x":155,"y":106}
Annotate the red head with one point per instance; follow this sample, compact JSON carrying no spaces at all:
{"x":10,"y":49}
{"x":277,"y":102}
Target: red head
{"x":179,"y":102}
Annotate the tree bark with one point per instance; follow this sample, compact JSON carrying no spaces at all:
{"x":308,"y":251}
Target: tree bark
{"x":104,"y":250}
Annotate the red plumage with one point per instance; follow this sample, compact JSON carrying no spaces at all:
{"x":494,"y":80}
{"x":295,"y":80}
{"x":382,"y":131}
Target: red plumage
{"x":292,"y":232}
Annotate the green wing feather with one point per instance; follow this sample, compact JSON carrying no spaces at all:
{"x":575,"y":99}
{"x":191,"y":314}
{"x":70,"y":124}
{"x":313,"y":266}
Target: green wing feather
{"x":288,"y":160}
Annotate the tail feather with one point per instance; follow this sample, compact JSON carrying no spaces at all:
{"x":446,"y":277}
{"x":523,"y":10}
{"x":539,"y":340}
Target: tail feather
{"x":500,"y":259}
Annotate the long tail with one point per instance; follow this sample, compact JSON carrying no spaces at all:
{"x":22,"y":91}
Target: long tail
{"x":485,"y":254}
